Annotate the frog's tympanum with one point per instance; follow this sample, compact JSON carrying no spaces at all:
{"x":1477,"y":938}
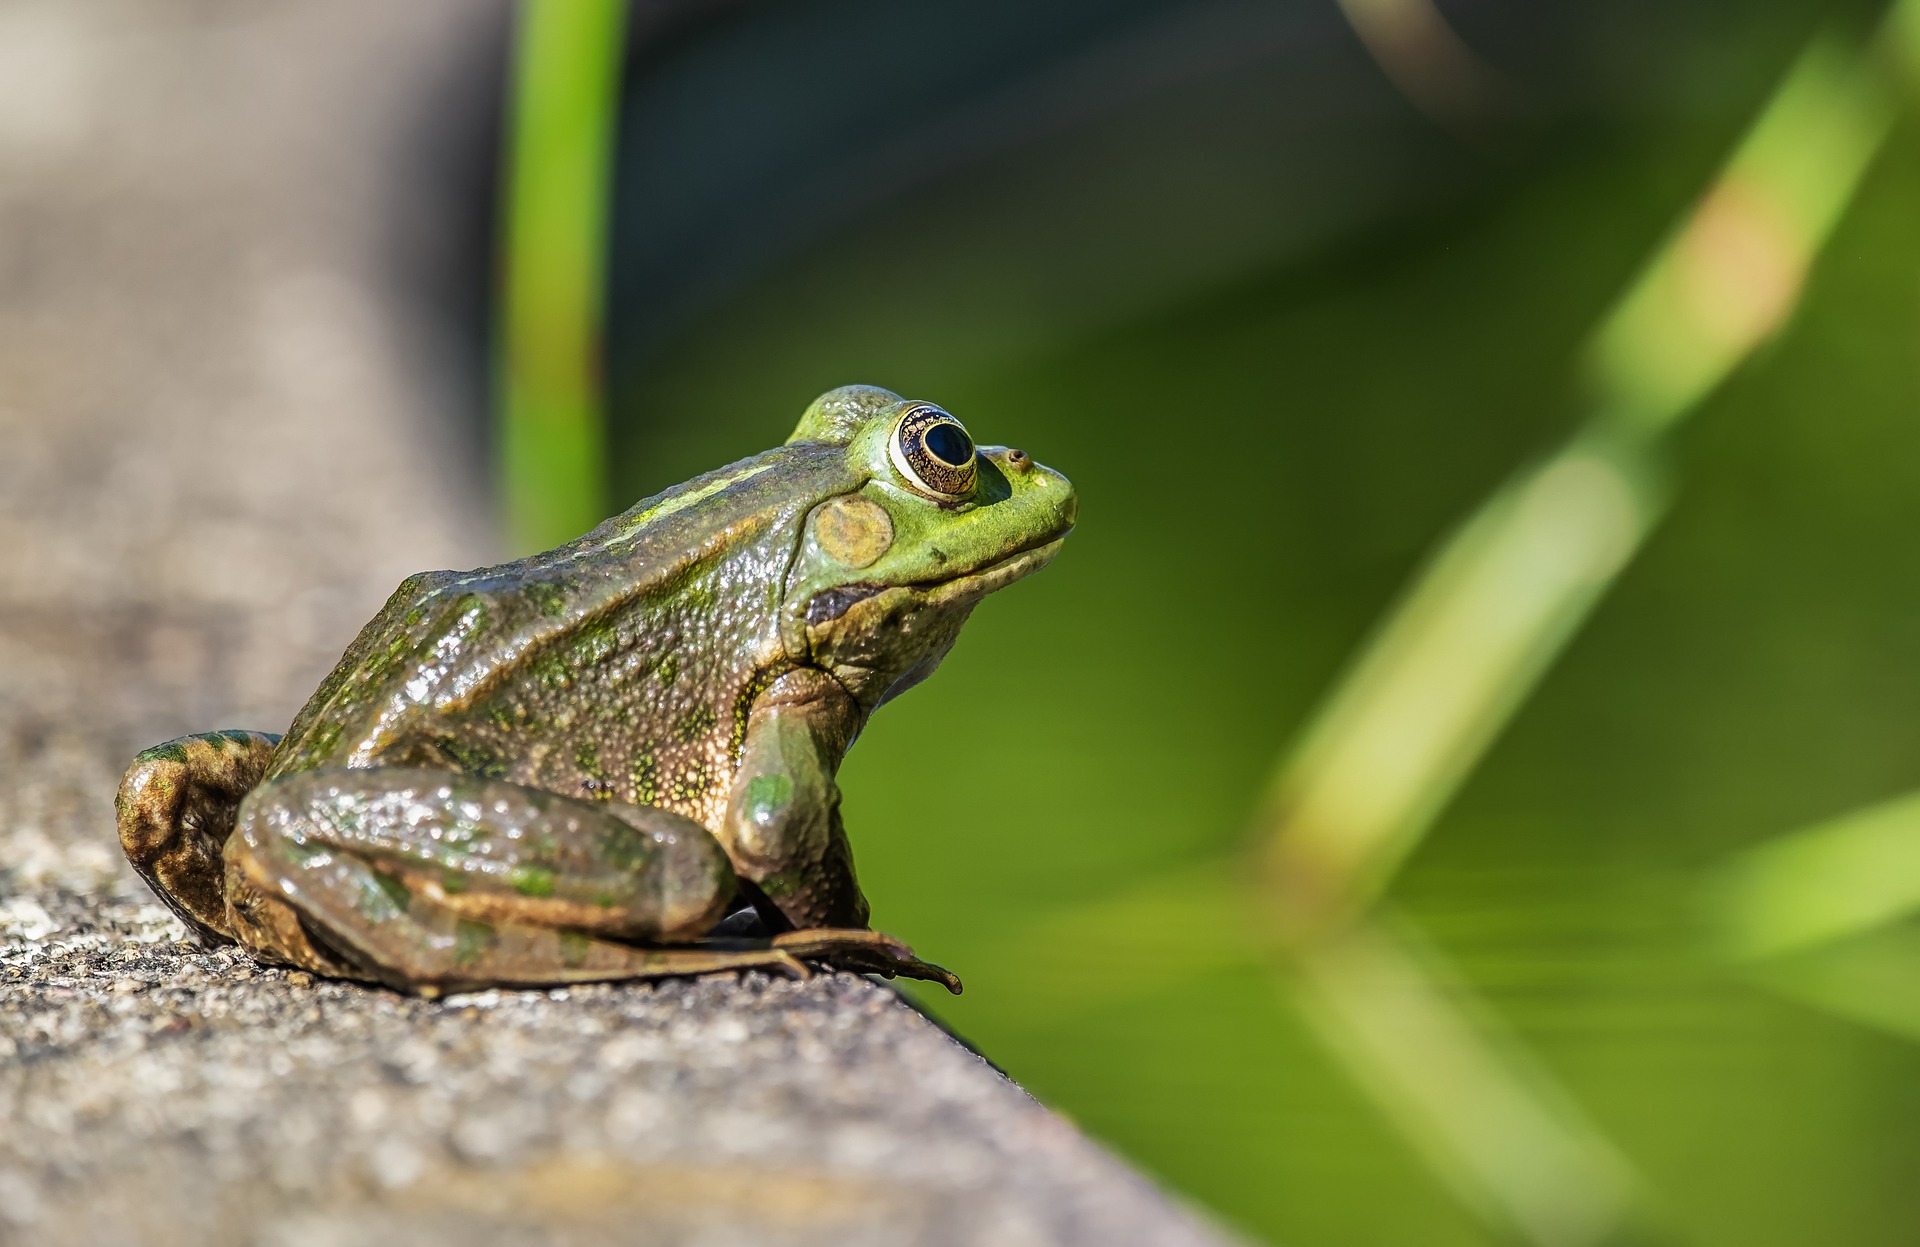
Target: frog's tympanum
{"x":615,"y":759}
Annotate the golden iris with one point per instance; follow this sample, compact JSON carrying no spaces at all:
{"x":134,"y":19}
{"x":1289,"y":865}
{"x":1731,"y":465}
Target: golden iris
{"x":932,"y":450}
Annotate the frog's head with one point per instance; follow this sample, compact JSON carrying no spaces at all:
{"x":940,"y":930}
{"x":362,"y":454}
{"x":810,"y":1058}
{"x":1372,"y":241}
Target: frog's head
{"x":886,"y":574}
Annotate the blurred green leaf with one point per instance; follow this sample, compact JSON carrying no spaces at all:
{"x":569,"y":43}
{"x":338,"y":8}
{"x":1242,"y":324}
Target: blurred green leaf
{"x":1486,"y":619}
{"x":1481,"y":626}
{"x":1867,"y":979}
{"x":551,"y":453}
{"x":1474,"y":1101}
{"x":1819,"y":885}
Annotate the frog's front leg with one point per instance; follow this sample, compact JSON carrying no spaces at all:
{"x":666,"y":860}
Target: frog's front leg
{"x":430,"y":881}
{"x":783,"y":832}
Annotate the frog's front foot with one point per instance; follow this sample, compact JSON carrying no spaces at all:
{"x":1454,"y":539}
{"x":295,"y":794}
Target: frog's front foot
{"x":870,"y":952}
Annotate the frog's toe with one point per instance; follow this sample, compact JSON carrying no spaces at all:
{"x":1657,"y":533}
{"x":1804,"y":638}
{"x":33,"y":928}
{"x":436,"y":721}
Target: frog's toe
{"x":931,"y":973}
{"x":869,"y":952}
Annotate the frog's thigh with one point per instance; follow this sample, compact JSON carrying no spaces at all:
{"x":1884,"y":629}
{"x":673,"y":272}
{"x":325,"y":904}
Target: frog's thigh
{"x":356,"y":921}
{"x":425,"y":879}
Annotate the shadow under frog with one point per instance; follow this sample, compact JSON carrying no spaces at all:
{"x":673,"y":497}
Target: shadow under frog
{"x":576,"y":766}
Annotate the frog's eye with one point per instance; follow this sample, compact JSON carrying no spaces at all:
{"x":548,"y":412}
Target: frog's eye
{"x":932,"y":450}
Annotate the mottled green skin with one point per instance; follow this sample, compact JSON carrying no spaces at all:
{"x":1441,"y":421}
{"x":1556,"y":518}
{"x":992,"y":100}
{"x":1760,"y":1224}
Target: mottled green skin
{"x":621,"y":665}
{"x":688,"y":675}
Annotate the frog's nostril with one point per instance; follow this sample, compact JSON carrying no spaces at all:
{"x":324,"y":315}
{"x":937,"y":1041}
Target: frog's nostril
{"x":1018,"y":461}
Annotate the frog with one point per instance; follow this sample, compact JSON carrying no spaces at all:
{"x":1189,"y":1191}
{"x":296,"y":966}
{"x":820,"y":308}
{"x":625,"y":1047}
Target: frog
{"x":616,"y":759}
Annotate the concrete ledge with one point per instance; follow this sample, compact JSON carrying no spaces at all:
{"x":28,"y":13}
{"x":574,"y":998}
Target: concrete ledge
{"x":157,"y":1092}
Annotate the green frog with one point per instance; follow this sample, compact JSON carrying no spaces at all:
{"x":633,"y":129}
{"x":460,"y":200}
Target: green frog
{"x":615,"y":759}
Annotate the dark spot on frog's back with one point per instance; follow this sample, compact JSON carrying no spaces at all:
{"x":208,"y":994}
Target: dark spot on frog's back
{"x":832,"y":603}
{"x":506,"y":714}
{"x":696,"y":723}
{"x":551,"y":671}
{"x":683,"y":582}
{"x":646,"y":777}
{"x":691,"y":783}
{"x":548,"y":599}
{"x":594,"y":643}
{"x":465,"y":756}
{"x":320,"y":742}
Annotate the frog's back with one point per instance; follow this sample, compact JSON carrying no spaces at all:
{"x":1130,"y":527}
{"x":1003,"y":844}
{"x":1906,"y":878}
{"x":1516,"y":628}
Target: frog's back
{"x":619,"y":665}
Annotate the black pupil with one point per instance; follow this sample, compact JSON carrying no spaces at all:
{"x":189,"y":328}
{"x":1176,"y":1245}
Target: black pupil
{"x":950,"y":444}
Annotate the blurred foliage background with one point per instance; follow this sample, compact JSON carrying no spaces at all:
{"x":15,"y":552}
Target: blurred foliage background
{"x":1289,"y":304}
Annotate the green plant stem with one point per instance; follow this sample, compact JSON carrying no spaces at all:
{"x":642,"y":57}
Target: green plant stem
{"x":1500,"y":599}
{"x":1472,"y":1100}
{"x":560,"y":145}
{"x":1481,"y":625}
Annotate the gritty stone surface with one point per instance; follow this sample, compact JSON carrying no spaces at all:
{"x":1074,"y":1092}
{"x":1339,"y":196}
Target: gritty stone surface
{"x":157,"y":1092}
{"x":228,"y":427}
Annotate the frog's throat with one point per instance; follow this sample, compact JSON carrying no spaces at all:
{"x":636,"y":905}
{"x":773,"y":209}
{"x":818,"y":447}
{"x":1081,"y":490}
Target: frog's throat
{"x":826,"y":608}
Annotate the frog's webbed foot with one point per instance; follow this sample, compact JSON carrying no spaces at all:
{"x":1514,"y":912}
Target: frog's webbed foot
{"x":870,"y":952}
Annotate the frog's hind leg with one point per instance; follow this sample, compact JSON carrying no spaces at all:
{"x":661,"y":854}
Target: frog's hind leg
{"x":361,"y":922}
{"x":434,"y":882}
{"x":176,"y":809}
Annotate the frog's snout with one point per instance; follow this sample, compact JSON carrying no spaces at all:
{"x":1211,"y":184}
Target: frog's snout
{"x":1027,"y":504}
{"x":1065,"y":499}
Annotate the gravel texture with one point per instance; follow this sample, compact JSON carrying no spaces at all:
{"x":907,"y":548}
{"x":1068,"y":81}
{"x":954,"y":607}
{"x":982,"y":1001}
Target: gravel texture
{"x":229,"y":424}
{"x":155,"y":1092}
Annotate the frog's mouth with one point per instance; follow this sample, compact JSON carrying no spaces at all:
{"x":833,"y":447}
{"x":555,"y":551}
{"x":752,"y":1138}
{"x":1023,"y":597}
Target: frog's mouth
{"x":963,"y":589}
